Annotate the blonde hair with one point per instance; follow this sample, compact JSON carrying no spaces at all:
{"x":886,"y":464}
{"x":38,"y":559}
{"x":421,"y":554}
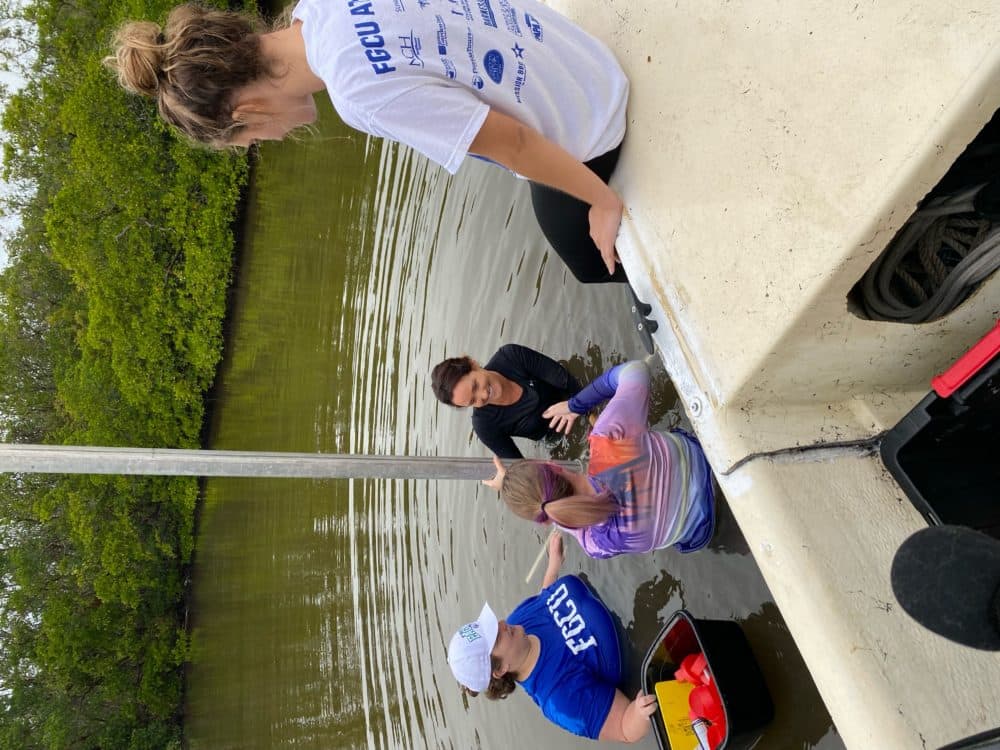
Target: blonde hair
{"x":537,"y":491}
{"x":192,"y":67}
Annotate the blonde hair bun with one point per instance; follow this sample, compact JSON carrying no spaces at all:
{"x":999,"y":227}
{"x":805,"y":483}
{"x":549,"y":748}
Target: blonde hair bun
{"x":192,"y":67}
{"x":139,"y":56}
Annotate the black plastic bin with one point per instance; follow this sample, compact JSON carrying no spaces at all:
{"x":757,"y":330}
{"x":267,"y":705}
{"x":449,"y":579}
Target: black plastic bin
{"x":945,"y":452}
{"x":745,"y":697}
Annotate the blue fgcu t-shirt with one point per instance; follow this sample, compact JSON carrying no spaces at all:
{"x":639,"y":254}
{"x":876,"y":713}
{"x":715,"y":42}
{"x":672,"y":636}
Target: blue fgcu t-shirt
{"x":579,"y":666}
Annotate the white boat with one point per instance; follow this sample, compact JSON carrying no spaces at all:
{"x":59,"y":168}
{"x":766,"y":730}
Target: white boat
{"x":773,"y":151}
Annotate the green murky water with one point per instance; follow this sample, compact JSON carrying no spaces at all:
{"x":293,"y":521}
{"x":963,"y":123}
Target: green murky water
{"x":322,"y":609}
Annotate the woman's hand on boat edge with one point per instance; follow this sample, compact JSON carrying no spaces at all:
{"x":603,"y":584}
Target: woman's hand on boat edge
{"x":497,"y":481}
{"x":525,"y":151}
{"x":561,"y":419}
{"x":604,"y":224}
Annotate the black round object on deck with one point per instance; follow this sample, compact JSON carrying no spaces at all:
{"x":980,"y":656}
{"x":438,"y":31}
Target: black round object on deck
{"x":947,"y":578}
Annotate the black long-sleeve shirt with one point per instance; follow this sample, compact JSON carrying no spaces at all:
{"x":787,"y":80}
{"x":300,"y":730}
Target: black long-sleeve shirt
{"x":543,"y":382}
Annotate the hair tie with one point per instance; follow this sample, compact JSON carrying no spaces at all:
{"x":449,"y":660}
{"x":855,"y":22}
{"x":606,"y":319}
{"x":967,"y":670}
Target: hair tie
{"x":542,"y":516}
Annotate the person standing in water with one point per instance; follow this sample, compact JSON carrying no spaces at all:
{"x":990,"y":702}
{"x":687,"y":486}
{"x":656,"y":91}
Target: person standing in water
{"x":643,"y":490}
{"x":507,"y":396}
{"x":525,"y":88}
{"x":561,"y":646}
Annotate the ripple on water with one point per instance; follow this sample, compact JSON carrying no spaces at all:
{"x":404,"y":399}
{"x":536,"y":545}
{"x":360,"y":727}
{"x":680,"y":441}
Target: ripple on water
{"x":322,"y":610}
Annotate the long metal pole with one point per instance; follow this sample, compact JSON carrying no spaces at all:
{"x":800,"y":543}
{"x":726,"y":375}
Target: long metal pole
{"x":69,"y":459}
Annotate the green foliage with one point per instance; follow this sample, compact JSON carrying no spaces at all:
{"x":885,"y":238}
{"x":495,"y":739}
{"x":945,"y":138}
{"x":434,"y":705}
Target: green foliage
{"x":111,"y":312}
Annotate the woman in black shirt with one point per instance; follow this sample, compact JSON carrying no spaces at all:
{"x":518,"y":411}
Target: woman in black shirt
{"x":507,"y":396}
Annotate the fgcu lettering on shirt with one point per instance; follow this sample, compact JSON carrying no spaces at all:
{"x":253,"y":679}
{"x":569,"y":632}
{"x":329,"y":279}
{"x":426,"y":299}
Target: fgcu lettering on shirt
{"x":370,"y":35}
{"x":569,"y":621}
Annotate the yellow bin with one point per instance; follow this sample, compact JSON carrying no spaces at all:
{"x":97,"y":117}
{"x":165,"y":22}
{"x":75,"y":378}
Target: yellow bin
{"x":672,"y":699}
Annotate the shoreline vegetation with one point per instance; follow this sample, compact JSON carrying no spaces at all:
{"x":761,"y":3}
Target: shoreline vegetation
{"x":112,"y":315}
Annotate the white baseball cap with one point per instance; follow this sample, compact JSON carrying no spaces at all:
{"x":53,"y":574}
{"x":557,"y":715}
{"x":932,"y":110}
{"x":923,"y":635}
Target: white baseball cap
{"x":469,"y":651}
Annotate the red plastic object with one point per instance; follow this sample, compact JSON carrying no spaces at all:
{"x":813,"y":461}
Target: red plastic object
{"x":693,"y":669}
{"x":968,"y":364}
{"x":716,"y":735}
{"x":706,"y":703}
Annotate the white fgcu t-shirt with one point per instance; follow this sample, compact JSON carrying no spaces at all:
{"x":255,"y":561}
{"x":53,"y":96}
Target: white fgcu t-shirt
{"x":426,"y":72}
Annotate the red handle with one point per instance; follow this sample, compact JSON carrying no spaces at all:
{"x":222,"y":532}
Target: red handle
{"x":968,"y":364}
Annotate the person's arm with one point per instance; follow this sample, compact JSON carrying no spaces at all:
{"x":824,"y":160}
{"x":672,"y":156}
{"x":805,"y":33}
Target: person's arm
{"x":541,"y":367}
{"x":561,"y":415}
{"x":499,"y":442}
{"x":524,"y":150}
{"x":536,"y":365}
{"x":601,"y":389}
{"x":628,"y":721}
{"x":497,"y":481}
{"x":626,"y":386}
{"x":556,"y":557}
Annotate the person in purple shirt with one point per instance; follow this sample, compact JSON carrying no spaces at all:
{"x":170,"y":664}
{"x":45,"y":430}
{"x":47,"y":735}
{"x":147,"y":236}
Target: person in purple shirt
{"x":643,"y":490}
{"x":561,"y":646}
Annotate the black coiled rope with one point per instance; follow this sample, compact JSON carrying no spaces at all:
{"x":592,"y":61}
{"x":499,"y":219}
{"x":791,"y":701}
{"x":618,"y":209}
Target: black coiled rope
{"x":945,"y":250}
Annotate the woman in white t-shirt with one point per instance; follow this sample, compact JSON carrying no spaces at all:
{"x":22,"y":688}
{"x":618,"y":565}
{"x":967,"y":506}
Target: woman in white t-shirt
{"x":523,"y":87}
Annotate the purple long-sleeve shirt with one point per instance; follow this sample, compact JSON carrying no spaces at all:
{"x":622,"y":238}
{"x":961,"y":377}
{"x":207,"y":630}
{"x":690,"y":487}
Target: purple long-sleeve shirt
{"x":660,"y":481}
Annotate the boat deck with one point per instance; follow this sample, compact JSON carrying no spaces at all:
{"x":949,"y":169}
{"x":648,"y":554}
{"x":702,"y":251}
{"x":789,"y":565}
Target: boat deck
{"x":773,"y":151}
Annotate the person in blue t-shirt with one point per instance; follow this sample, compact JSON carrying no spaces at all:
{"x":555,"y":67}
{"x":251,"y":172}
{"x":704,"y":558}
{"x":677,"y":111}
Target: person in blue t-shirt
{"x":561,"y":646}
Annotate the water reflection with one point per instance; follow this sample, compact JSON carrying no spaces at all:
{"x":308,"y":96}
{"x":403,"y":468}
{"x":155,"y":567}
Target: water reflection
{"x":321,"y":610}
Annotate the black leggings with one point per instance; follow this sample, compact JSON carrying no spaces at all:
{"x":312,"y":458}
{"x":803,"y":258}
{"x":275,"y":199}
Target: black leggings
{"x":566,"y":225}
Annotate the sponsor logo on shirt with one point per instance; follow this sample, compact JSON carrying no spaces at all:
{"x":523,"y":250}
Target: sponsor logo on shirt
{"x":461,"y":8}
{"x":478,"y":82}
{"x":409,"y":48}
{"x":449,"y":67}
{"x":509,"y":17}
{"x":423,"y":3}
{"x":486,"y":11}
{"x":442,"y":36}
{"x":470,"y":50}
{"x":518,"y":51}
{"x":370,"y":36}
{"x":569,"y":621}
{"x":534,"y":26}
{"x":493,"y":65}
{"x":519,"y":79}
{"x":398,"y":5}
